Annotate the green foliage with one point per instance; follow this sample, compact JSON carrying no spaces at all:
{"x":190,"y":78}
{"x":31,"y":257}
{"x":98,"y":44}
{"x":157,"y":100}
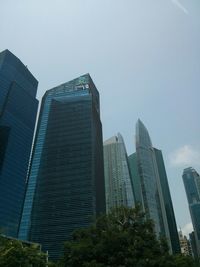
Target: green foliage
{"x":13,"y":254}
{"x":122,"y":238}
{"x":185,"y":261}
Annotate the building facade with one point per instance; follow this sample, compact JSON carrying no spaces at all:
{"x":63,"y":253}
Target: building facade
{"x":151,"y":187}
{"x":65,"y":188}
{"x":168,"y":206}
{"x":193,"y":245}
{"x":148,"y":177}
{"x":191,"y":180}
{"x":118,"y":185}
{"x":18,"y":109}
{"x":135,"y":179}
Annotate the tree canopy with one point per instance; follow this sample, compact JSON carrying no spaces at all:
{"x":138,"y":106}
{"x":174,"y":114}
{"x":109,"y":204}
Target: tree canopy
{"x":122,"y":238}
{"x":13,"y":253}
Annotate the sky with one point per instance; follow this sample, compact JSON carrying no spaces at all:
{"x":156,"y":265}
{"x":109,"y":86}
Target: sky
{"x":143,"y":56}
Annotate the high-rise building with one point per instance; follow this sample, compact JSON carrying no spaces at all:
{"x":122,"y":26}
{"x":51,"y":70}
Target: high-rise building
{"x":18,"y":109}
{"x":65,"y":188}
{"x":118,"y":185}
{"x":191,"y":180}
{"x":135,"y":179}
{"x":168,"y":206}
{"x":193,"y":245}
{"x":151,"y":187}
{"x":148,"y":177}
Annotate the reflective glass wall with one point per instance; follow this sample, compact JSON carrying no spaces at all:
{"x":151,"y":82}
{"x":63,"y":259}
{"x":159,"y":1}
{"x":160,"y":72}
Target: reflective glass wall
{"x":66,"y":181}
{"x":18,"y":108}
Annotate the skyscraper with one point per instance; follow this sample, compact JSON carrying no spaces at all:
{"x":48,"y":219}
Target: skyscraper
{"x":135,"y":179}
{"x":151,"y":187}
{"x":191,"y":181}
{"x":65,"y":188}
{"x":18,"y":108}
{"x":148,"y":179}
{"x":193,"y":245}
{"x":117,"y":177}
{"x":168,"y":206}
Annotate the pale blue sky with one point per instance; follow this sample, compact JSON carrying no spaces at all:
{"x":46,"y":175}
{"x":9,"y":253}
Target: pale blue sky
{"x":143,"y":55}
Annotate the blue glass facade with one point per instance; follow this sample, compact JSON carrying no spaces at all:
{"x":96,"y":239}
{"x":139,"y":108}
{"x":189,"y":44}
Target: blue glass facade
{"x":133,"y":165}
{"x":151,"y":187}
{"x":147,"y":174}
{"x":18,"y":109}
{"x":66,"y":182}
{"x":191,"y":181}
{"x":167,"y":202}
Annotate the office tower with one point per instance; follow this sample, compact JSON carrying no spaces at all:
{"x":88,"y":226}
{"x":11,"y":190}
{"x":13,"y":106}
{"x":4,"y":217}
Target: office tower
{"x":168,"y":206}
{"x":193,"y":245}
{"x":151,"y":187}
{"x":135,"y":179}
{"x":118,"y":185}
{"x":18,"y":108}
{"x":66,"y":181}
{"x":191,"y":180}
{"x":148,"y":177}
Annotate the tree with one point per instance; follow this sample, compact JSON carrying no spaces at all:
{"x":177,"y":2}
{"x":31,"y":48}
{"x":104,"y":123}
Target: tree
{"x":185,"y":261}
{"x":13,"y":253}
{"x":122,"y":238}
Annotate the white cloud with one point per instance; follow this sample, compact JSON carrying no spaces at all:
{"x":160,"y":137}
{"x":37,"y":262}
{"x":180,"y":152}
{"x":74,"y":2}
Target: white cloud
{"x":187,"y":229}
{"x":185,"y":156}
{"x":180,"y":6}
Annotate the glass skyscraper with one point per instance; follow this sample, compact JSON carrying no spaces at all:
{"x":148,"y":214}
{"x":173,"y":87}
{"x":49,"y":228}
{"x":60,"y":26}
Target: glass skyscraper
{"x":168,"y":206}
{"x":193,"y":245}
{"x":147,"y":174}
{"x":117,"y":176}
{"x":191,"y":181}
{"x":151,"y":187}
{"x":65,"y":188}
{"x":135,"y":179}
{"x":18,"y":109}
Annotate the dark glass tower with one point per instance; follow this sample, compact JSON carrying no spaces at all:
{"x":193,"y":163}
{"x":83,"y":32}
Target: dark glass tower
{"x":167,"y":201}
{"x":18,"y":108}
{"x":132,"y":159}
{"x":193,"y":245}
{"x":191,"y":181}
{"x":66,"y":181}
{"x":151,"y":187}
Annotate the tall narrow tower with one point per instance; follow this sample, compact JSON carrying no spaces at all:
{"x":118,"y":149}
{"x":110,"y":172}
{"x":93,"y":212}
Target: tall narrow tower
{"x":151,"y":187}
{"x":148,"y":175}
{"x":65,"y":188}
{"x":167,"y":201}
{"x":117,"y":176}
{"x":191,"y":181}
{"x":18,"y":109}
